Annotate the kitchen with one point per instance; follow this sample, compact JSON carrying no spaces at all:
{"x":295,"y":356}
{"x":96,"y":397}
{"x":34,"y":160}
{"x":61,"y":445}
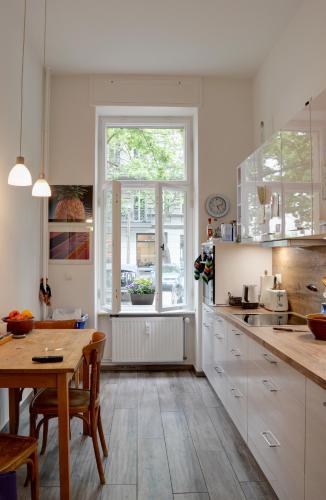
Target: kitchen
{"x":232,"y":114}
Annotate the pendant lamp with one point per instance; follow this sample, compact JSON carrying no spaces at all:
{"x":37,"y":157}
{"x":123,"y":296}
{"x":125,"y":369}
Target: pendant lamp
{"x":41,"y":188}
{"x":19,"y":175}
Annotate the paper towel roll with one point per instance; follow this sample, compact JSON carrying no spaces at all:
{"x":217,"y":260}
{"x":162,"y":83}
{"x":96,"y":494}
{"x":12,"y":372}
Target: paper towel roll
{"x":266,"y":281}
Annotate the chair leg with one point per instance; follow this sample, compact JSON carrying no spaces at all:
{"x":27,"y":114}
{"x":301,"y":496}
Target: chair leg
{"x":35,"y":485}
{"x":32,"y":425}
{"x":96,"y":449}
{"x":101,"y":433}
{"x":45,"y":435}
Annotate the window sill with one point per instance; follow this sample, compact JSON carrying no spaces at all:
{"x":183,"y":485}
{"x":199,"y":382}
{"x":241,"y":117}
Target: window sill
{"x":179,"y":312}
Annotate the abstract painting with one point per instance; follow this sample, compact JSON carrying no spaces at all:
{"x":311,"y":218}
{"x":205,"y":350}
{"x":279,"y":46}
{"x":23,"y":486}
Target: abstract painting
{"x":69,"y":246}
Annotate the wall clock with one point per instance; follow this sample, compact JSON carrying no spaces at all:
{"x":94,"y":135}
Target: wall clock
{"x":217,"y":205}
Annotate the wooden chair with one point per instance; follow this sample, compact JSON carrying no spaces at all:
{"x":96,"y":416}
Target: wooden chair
{"x":83,"y":403}
{"x":66,"y":324}
{"x":17,"y":451}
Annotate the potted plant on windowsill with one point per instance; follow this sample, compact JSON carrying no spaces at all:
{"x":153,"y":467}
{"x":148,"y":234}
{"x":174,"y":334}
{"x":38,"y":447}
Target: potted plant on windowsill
{"x":141,"y":292}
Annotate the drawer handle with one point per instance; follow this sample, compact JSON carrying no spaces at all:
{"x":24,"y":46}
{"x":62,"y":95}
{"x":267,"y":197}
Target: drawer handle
{"x":270,"y":359}
{"x":219,"y":337}
{"x":269,"y":385}
{"x":219,"y":369}
{"x":236,"y":353}
{"x":236,"y":332}
{"x":236,"y":393}
{"x":271,"y":443}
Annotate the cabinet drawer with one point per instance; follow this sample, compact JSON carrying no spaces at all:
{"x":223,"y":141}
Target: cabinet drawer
{"x":219,"y":381}
{"x":237,"y":363}
{"x":237,"y":338}
{"x":288,"y":381}
{"x":315,"y":442}
{"x":276,"y":428}
{"x":236,"y":405}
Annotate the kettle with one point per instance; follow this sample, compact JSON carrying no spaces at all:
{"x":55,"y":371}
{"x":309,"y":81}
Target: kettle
{"x":249,"y":294}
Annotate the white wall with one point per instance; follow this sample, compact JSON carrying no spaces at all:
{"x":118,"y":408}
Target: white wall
{"x":294,"y":71}
{"x":225,"y":138}
{"x":19,"y":212}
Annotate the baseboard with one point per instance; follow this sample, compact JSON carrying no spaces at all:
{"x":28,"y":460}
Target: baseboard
{"x":23,"y":405}
{"x":199,"y":373}
{"x":146,"y":367}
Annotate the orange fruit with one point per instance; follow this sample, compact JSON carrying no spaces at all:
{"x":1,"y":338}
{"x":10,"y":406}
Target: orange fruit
{"x":26,"y":313}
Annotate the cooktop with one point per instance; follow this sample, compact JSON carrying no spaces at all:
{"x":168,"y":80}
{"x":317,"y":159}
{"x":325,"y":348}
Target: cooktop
{"x":272,"y":319}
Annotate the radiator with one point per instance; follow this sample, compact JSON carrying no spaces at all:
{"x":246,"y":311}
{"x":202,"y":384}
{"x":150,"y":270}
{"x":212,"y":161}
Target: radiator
{"x":147,"y":340}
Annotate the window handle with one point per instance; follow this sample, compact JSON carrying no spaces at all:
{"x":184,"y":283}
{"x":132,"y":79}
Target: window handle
{"x":162,"y":247}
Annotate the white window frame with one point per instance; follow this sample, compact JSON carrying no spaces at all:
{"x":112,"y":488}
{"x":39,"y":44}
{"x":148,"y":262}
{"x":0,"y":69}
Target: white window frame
{"x":185,"y":185}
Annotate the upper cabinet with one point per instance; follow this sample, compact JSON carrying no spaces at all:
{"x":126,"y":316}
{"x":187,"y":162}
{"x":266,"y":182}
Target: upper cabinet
{"x":282,"y":193}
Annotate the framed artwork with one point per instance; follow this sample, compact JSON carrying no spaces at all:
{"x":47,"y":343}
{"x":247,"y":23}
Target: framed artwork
{"x":69,"y":246}
{"x":71,"y":203}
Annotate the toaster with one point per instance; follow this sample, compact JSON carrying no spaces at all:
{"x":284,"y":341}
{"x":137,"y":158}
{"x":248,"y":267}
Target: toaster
{"x":275,"y":300}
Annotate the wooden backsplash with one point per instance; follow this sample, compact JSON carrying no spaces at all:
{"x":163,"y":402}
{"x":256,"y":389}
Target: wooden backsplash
{"x":300,"y":267}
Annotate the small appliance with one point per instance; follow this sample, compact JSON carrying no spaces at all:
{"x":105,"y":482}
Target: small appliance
{"x":275,"y":300}
{"x":249,"y":297}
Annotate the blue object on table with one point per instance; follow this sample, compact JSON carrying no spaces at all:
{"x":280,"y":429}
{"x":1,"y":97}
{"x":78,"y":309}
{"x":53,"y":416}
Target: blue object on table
{"x":8,"y":488}
{"x":81,"y":323}
{"x":323,"y":308}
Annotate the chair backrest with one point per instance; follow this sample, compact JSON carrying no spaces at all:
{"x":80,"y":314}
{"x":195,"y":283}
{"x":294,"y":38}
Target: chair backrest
{"x":93,"y":354}
{"x":66,"y":324}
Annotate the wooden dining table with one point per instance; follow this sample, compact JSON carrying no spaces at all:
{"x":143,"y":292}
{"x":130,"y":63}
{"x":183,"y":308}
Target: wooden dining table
{"x":17,"y":370}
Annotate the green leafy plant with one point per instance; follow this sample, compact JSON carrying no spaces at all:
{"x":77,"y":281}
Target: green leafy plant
{"x":142,"y":286}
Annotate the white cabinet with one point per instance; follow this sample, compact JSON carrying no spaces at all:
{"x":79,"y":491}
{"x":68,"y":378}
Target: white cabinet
{"x":279,"y":195}
{"x":276,"y":421}
{"x":236,"y":368}
{"x":266,"y":399}
{"x":315,"y":442}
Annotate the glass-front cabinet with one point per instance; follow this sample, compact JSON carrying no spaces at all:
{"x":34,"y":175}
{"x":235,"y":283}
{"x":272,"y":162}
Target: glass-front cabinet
{"x":283,"y":183}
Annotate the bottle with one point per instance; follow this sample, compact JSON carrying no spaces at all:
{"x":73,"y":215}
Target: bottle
{"x":209,"y":229}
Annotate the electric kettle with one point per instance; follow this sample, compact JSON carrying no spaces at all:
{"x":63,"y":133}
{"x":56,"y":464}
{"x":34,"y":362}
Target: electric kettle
{"x":249,"y":296}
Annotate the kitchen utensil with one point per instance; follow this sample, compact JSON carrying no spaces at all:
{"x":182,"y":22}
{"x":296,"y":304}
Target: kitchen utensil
{"x":288,"y":329}
{"x":317,"y":325}
{"x":234,"y":301}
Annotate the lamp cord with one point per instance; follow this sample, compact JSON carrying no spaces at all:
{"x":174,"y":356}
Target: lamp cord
{"x":22,"y":85}
{"x":43,"y":110}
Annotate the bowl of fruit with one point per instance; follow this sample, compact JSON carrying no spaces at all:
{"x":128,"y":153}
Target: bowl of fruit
{"x":19,"y":323}
{"x":317,"y":325}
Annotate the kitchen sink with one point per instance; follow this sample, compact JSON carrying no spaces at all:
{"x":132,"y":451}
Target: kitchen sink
{"x":271,"y":319}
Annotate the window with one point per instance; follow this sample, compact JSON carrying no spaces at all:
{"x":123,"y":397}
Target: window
{"x":146,"y":183}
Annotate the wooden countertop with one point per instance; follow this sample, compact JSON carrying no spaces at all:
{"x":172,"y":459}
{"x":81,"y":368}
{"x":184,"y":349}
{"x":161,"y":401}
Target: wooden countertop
{"x":300,"y":350}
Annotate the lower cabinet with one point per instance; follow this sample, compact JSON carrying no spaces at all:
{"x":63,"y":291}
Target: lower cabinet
{"x":315,"y":442}
{"x":276,"y":421}
{"x":266,"y":399}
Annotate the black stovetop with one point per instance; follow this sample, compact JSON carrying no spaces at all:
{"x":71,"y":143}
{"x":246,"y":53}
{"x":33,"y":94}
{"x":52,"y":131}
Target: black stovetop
{"x":271,"y":319}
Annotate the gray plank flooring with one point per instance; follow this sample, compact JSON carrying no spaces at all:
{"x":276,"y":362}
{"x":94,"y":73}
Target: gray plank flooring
{"x":169,"y":438}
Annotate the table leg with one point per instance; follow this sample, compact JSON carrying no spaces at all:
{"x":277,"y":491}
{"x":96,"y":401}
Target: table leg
{"x":64,"y":452}
{"x":86,"y":386}
{"x":14,"y":399}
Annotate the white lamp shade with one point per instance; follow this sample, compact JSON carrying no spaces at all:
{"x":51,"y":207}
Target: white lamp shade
{"x":19,"y":175}
{"x":41,"y":189}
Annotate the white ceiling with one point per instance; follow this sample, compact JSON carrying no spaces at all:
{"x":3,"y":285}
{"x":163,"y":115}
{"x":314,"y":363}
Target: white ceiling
{"x":198,"y":37}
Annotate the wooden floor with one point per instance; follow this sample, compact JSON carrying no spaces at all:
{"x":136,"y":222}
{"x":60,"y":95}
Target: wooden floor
{"x":169,"y":439}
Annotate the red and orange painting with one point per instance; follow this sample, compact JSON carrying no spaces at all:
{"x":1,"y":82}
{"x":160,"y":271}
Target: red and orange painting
{"x":69,"y":245}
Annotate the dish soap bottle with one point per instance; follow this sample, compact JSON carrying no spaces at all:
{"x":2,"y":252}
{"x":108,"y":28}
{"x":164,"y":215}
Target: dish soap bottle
{"x":323,"y":304}
{"x":209,"y":229}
